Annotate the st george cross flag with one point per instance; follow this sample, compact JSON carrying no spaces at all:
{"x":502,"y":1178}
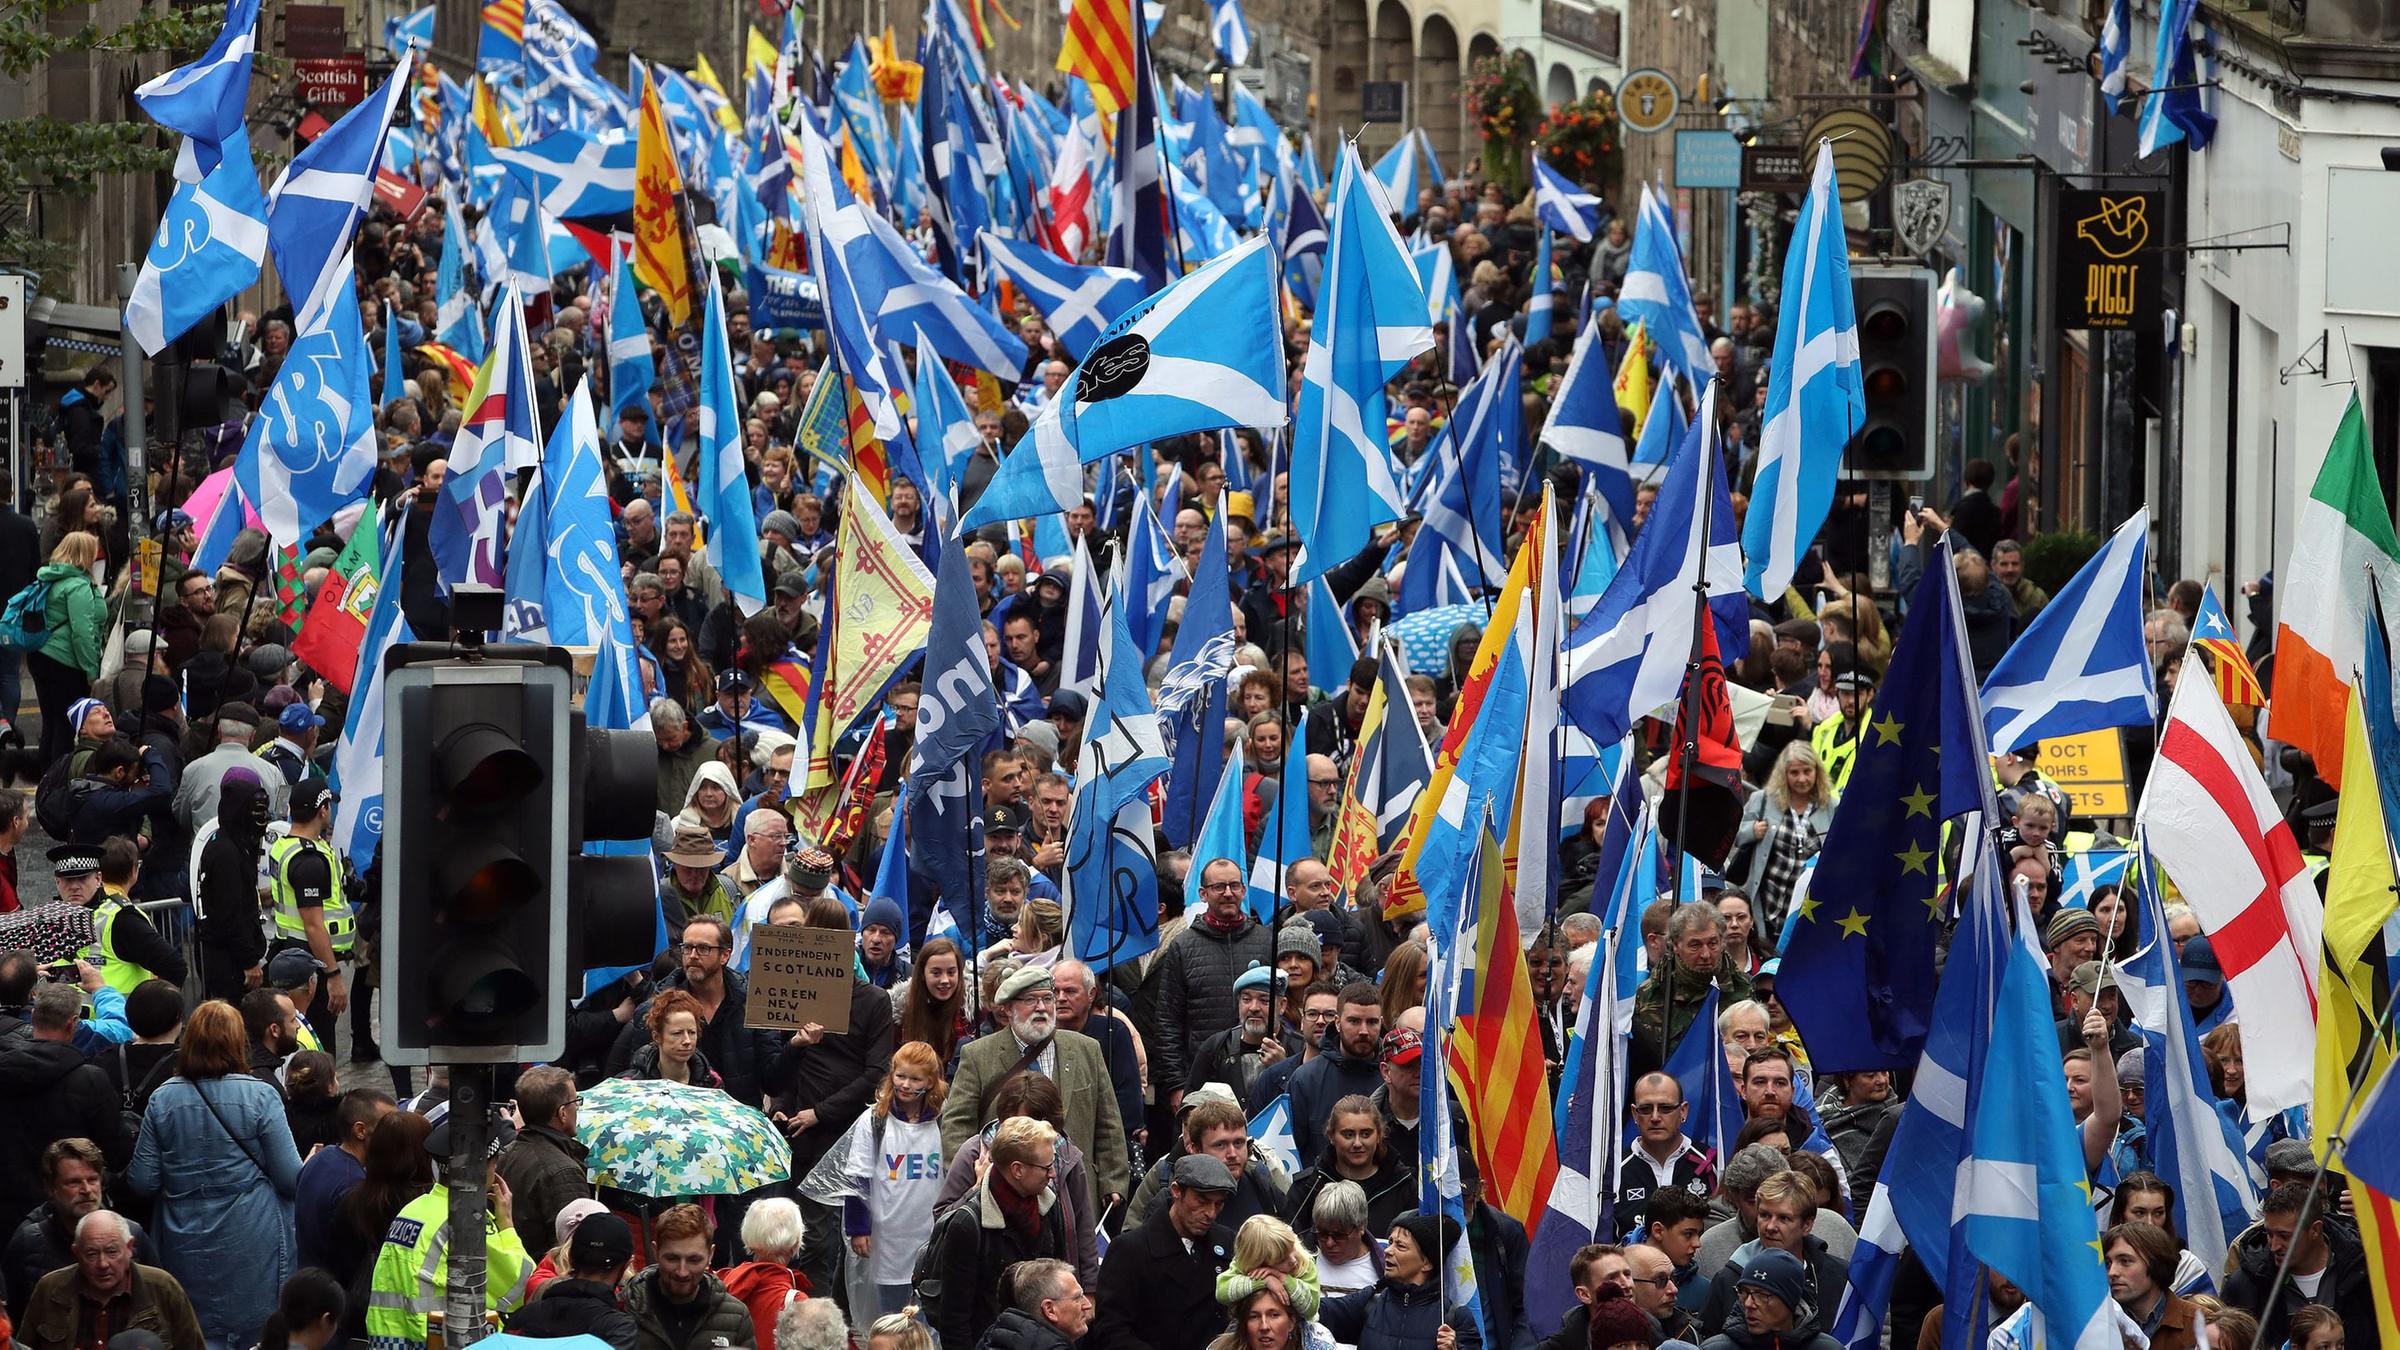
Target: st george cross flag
{"x":2212,"y":824}
{"x":1657,"y":292}
{"x":212,"y":238}
{"x":1204,"y":353}
{"x":1561,"y":206}
{"x":1370,"y":323}
{"x":1816,"y":400}
{"x":2082,"y":664}
{"x":1079,"y":303}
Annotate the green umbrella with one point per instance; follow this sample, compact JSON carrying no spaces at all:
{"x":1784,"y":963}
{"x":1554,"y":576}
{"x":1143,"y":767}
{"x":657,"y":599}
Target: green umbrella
{"x":659,"y":1138}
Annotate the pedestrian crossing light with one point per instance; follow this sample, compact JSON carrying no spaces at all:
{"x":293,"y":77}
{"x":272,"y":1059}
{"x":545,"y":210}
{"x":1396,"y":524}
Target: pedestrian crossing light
{"x":1898,"y":340}
{"x":477,"y":834}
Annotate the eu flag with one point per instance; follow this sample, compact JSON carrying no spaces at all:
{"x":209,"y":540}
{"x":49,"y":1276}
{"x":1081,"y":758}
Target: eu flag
{"x":1858,"y":973}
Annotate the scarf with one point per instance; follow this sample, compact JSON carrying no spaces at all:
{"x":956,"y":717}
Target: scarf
{"x":1020,"y":1214}
{"x":1229,"y":924}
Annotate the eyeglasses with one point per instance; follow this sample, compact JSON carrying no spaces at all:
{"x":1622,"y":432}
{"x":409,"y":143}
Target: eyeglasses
{"x":774,"y":773}
{"x":1656,"y":1108}
{"x":1662,"y":1281}
{"x":1323,"y":782}
{"x":1219,"y":887}
{"x":700,"y":947}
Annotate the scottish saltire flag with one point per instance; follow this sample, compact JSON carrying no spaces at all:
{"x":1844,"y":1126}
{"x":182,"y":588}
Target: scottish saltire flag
{"x":1699,"y":1066}
{"x":414,"y":28}
{"x":1284,"y":837}
{"x":1542,"y":304}
{"x":1271,"y":1132}
{"x":1332,"y":648}
{"x":1561,"y":206}
{"x":1141,"y":227}
{"x":2027,"y":1206}
{"x":1087,"y":624}
{"x":512,"y":241}
{"x":576,"y":173}
{"x":1590,"y":1085}
{"x":1304,"y":244}
{"x":2116,"y":43}
{"x":1465,"y":504}
{"x":1665,"y":426}
{"x":2082,"y":664}
{"x":1078,"y":303}
{"x":311,"y":449}
{"x":1628,"y":656}
{"x":1110,"y":889}
{"x":1201,"y":230}
{"x":911,"y":295}
{"x":1816,"y":400}
{"x":1370,"y":324}
{"x":458,"y":321}
{"x":1205,"y":353}
{"x":1191,"y":699}
{"x":2192,"y":1144}
{"x":945,"y":427}
{"x":1397,"y":171}
{"x":958,"y":710}
{"x":2178,"y":114}
{"x":1440,"y":276}
{"x":2086,"y":872}
{"x":1230,"y":30}
{"x":1859,"y":969}
{"x":1221,"y":834}
{"x":835,"y":223}
{"x":1152,"y":574}
{"x":358,"y":756}
{"x":721,"y":482}
{"x":1585,"y":425}
{"x":322,"y":195}
{"x":212,"y":237}
{"x":499,"y":436}
{"x":631,"y":372}
{"x":1658,"y":293}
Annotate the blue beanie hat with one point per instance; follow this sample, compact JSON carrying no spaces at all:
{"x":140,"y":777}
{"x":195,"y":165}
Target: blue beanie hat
{"x":884,"y":910}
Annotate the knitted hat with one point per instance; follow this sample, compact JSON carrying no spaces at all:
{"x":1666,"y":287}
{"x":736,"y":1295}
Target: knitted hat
{"x":1432,"y":1233}
{"x":81,"y":709}
{"x":812,"y":867}
{"x":884,"y":910}
{"x":781,"y":522}
{"x":1779,"y":1274}
{"x":2066,"y":924}
{"x":1259,"y":975}
{"x":2130,"y":1068}
{"x":1298,"y":939}
{"x":1616,"y":1320}
{"x":159,"y":693}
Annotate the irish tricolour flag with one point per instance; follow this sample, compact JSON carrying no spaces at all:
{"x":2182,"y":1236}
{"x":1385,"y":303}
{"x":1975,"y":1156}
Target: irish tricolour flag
{"x":2344,"y":535}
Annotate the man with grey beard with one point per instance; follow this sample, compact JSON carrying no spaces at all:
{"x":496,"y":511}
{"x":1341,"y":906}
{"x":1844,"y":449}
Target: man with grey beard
{"x":1237,"y":1055}
{"x":1032,"y":1042}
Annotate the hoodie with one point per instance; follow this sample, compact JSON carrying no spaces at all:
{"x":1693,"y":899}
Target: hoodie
{"x":229,"y":927}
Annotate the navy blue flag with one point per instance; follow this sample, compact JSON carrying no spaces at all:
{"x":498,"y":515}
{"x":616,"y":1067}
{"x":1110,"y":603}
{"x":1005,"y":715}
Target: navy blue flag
{"x":1191,"y":700}
{"x":956,"y":711}
{"x":1141,"y":232}
{"x":1858,"y":973}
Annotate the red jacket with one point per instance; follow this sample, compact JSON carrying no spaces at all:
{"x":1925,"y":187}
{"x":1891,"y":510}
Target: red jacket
{"x":764,"y":1287}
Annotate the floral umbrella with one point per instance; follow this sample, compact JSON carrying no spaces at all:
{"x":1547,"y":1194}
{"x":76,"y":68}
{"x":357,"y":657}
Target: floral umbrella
{"x":659,"y":1138}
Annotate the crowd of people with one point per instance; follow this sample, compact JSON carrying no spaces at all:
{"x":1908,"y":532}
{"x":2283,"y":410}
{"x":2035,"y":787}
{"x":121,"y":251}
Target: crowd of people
{"x":1005,"y":1147}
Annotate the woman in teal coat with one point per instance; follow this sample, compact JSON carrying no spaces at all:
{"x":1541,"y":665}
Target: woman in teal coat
{"x":76,"y":620}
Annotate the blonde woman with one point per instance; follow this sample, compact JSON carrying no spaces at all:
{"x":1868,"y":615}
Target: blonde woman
{"x":1783,"y":825}
{"x":76,"y":625}
{"x":1040,"y":936}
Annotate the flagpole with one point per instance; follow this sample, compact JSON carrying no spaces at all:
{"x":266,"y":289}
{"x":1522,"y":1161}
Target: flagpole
{"x":1689,"y":750}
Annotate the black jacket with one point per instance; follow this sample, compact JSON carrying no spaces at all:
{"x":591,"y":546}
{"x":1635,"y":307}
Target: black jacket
{"x":544,"y":1170}
{"x":1830,"y":1273}
{"x":572,"y":1307}
{"x":1021,"y":1330}
{"x":1154,"y":1294}
{"x":20,"y":555}
{"x":54,"y":1093}
{"x":1317,"y":1085}
{"x":725,"y":1322}
{"x":837,"y":1077}
{"x":39,"y":1246}
{"x":1223,"y":1058}
{"x":969,"y":1250}
{"x":1195,"y":990}
{"x":1391,"y":1192}
{"x":733,"y":1049}
{"x":2346,"y":1288}
{"x":1501,"y":1251}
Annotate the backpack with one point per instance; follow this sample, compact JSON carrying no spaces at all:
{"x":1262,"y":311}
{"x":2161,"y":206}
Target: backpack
{"x":25,"y":623}
{"x":54,"y":798}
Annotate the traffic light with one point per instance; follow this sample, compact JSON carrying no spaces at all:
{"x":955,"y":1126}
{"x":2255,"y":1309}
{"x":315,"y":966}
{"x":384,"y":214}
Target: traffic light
{"x":476,"y":841}
{"x":612,"y":898}
{"x":1897,"y":342}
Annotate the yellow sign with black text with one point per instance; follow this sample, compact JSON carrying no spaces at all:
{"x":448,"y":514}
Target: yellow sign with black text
{"x":2090,"y":769}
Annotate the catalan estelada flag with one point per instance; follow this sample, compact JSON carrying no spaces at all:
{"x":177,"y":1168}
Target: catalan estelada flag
{"x":456,"y":369}
{"x":659,"y":259}
{"x":1099,"y":47}
{"x":1495,"y":1050}
{"x":2237,"y":679}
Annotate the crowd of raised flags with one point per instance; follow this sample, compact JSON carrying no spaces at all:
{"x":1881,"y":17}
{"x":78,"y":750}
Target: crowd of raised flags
{"x":1575,"y":512}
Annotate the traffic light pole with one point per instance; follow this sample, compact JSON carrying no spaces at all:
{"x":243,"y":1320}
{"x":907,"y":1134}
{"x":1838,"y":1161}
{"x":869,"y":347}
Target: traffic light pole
{"x":467,"y":1172}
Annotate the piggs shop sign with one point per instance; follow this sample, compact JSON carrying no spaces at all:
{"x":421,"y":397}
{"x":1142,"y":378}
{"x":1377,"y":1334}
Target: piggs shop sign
{"x":2111,"y":252}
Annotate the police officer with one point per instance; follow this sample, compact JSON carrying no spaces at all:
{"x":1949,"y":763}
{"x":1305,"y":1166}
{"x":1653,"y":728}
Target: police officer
{"x":312,"y":911}
{"x":126,"y":948}
{"x":412,"y":1267}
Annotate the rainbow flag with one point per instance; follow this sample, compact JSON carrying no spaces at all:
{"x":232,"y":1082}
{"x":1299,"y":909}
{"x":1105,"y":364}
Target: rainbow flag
{"x":1495,"y":1054}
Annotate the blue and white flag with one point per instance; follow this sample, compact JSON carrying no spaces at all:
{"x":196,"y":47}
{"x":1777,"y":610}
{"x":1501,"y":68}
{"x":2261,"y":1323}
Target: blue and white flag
{"x":1591,"y":1085}
{"x":1397,"y":171}
{"x":1664,"y":428}
{"x":414,"y":28}
{"x":311,"y":449}
{"x":2082,"y":664}
{"x":576,"y":173}
{"x":1465,"y":504}
{"x":2177,"y":114}
{"x":1816,"y":400}
{"x":501,"y":434}
{"x":835,"y":225}
{"x":2116,"y":43}
{"x":1152,"y":575}
{"x":631,"y":371}
{"x":2023,"y":1192}
{"x":2193,"y":1145}
{"x":721,"y":477}
{"x":1201,"y":229}
{"x":1440,"y":1182}
{"x":1206,"y":352}
{"x":1231,"y":30}
{"x":1657,"y":292}
{"x":1191,"y":700}
{"x":1283,"y":836}
{"x":1271,"y":1128}
{"x":358,"y":756}
{"x":1303,"y":244}
{"x":1561,"y":206}
{"x":212,"y":237}
{"x":958,"y":195}
{"x":1222,"y":835}
{"x":2086,"y":872}
{"x":945,"y":427}
{"x":322,"y":195}
{"x":1542,"y":304}
{"x":1110,"y":880}
{"x":392,"y":363}
{"x":1332,"y":648}
{"x":1087,"y":623}
{"x":957,"y":711}
{"x":911,"y":296}
{"x":1079,"y":303}
{"x":1370,"y":323}
{"x":1627,"y":658}
{"x":1141,"y":225}
{"x":1440,"y":276}
{"x":1587,"y":427}
{"x":458,"y":319}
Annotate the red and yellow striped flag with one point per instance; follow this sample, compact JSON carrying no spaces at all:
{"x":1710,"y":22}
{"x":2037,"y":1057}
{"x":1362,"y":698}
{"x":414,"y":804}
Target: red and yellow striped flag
{"x":2237,"y":679}
{"x":1496,"y":1055}
{"x":867,"y":456}
{"x":659,"y":260}
{"x":1099,"y":47}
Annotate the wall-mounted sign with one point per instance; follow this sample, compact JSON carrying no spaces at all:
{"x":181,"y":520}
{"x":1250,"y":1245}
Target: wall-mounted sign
{"x":1707,"y":158}
{"x":331,"y":84}
{"x":1774,"y":168}
{"x":1383,"y":100}
{"x":1647,"y":101}
{"x":1595,"y":30}
{"x":2108,"y":264}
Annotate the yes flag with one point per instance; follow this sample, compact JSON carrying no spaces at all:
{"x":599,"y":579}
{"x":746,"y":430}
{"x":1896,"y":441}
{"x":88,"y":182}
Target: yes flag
{"x":1370,"y":323}
{"x":358,"y":756}
{"x":2082,"y":665}
{"x":1191,"y":700}
{"x":212,"y":238}
{"x":1816,"y":400}
{"x":1204,"y":353}
{"x":1859,"y":964}
{"x":311,"y":449}
{"x":956,"y":712}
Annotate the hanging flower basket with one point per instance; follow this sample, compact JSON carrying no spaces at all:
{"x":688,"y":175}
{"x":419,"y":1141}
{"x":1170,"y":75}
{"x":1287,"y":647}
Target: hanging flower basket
{"x":1584,"y":141}
{"x":1505,"y":108}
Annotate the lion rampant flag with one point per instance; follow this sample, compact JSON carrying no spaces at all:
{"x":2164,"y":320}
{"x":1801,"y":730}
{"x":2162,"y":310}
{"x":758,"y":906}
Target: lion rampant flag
{"x":659,"y":259}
